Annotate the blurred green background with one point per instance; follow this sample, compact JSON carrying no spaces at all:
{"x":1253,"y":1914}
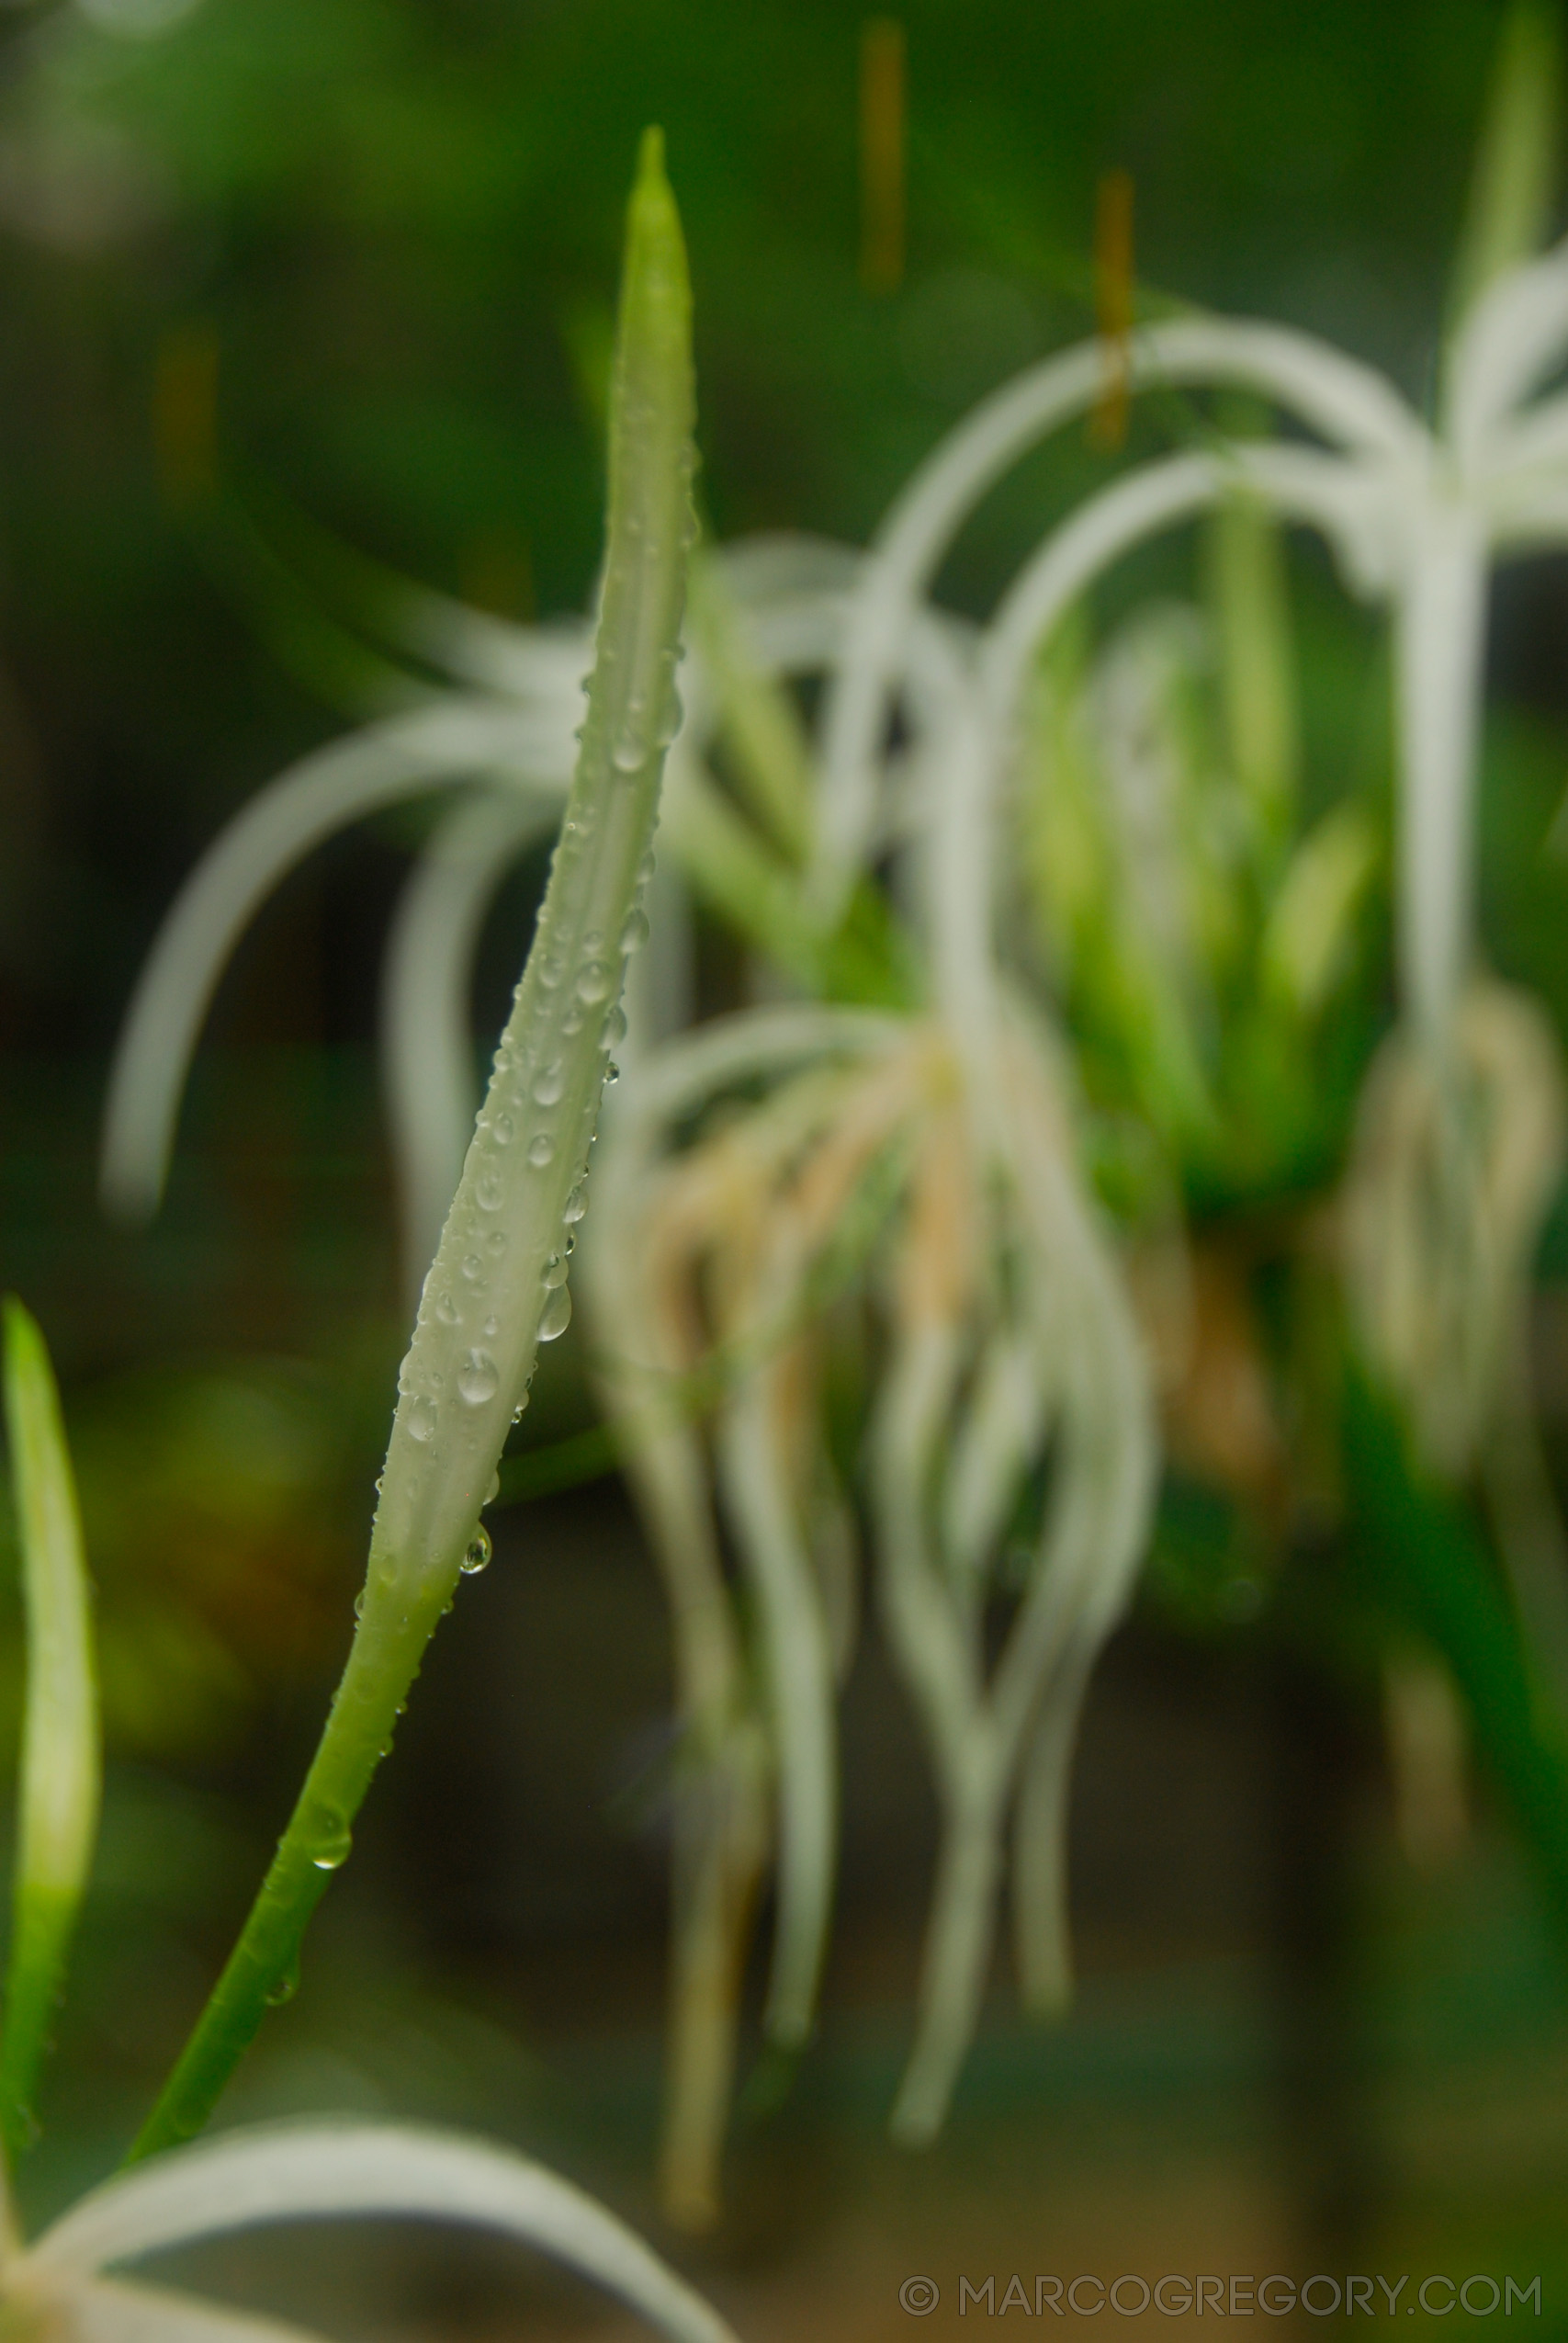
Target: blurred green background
{"x":391,"y":228}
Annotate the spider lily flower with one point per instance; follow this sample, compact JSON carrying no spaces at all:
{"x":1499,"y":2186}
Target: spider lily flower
{"x":709,"y":1266}
{"x":502,"y":740}
{"x":1012,"y":1340}
{"x":1195,"y":945}
{"x":1451,"y":1177}
{"x":1416,"y":516}
{"x":689,"y":1253}
{"x":61,"y":2287}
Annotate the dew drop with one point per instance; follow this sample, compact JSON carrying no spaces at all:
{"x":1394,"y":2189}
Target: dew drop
{"x":634,"y":935}
{"x":421,"y":1418}
{"x":577,"y":1203}
{"x":628,"y":749}
{"x":572,"y":1021}
{"x":615,"y":1026}
{"x":477,"y":1378}
{"x":558,"y":1315}
{"x":502,"y":1130}
{"x":493,"y":1491}
{"x":554,"y":1271}
{"x":550,"y":1083}
{"x":541,"y":1150}
{"x":285,"y":1987}
{"x":612,"y":1073}
{"x":669,"y":722}
{"x":517,"y":1410}
{"x":551,"y":970}
{"x":593,"y":981}
{"x":473,"y":1268}
{"x":488,"y":1191}
{"x":478,"y":1555}
{"x":447,"y":1310}
{"x":359,"y":1604}
{"x":328,"y":1839}
{"x":491,"y":1325}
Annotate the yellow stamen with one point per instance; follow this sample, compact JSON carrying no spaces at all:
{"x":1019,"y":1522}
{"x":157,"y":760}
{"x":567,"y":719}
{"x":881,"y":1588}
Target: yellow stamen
{"x":882,"y":154}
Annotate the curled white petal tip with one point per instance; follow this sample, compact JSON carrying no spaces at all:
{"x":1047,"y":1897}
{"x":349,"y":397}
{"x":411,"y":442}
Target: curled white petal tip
{"x":453,"y":739}
{"x":308,"y":2171}
{"x":106,"y":2311}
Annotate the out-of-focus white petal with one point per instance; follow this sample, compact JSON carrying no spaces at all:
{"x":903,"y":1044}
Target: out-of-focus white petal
{"x":547,"y":665}
{"x":1001,"y":1429}
{"x":308,"y":2171}
{"x":1439,"y":644}
{"x":799,"y":1671}
{"x":451,"y":740}
{"x":1515,"y":335}
{"x":105,"y":2311}
{"x":1351,"y":405}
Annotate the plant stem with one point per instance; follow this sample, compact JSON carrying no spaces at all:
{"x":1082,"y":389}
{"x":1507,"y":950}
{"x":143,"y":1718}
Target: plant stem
{"x":496,"y":1287}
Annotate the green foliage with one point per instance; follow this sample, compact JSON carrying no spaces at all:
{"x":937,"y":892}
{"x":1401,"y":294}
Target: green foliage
{"x":60,"y":1768}
{"x":497,"y":1286}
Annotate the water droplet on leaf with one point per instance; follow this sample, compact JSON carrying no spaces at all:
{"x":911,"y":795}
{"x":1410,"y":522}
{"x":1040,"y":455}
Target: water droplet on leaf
{"x":421,"y":1418}
{"x":541,"y":1150}
{"x":478,"y":1555}
{"x":558,"y":1315}
{"x":477,"y":1378}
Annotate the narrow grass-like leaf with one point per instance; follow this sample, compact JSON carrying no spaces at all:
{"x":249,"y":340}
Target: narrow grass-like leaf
{"x":57,"y":1816}
{"x":1509,"y":209}
{"x":497,"y":1286}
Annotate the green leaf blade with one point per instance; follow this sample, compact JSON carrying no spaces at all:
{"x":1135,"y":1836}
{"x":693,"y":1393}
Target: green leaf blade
{"x":503,"y":1259}
{"x":62,"y":1765}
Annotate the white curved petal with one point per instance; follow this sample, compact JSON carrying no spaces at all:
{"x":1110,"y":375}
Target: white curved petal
{"x":105,"y":2311}
{"x":426,"y":1038}
{"x":798,"y":1665}
{"x":781,"y":565}
{"x":546,"y":663}
{"x":673,"y":1081}
{"x":1000,"y":1432}
{"x":1346,"y":503}
{"x":451,"y":740}
{"x":308,"y":2171}
{"x":1516,"y":332}
{"x":1343,"y":501}
{"x":1440,"y":645}
{"x":1526,"y":505}
{"x":1351,"y":405}
{"x":1042,"y":1936}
